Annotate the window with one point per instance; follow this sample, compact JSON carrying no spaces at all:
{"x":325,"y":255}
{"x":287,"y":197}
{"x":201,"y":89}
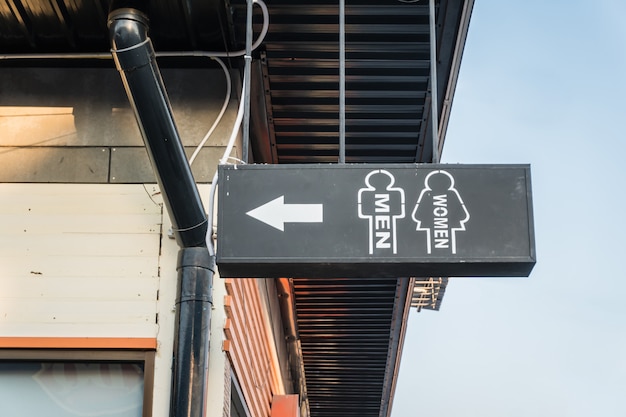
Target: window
{"x":75,"y":383}
{"x":238,"y":406}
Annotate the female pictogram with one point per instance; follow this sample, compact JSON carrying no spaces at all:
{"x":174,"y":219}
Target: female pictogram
{"x":440,"y":212}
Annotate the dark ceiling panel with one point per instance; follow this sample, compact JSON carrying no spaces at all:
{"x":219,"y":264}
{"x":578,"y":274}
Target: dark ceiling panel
{"x":16,"y":31}
{"x":57,"y":26}
{"x":387,"y":80}
{"x":345,"y":331}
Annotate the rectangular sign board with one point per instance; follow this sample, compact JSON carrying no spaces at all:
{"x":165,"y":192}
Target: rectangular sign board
{"x":374,"y":220}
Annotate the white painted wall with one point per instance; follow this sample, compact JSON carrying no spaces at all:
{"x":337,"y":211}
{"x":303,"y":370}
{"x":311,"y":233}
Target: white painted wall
{"x":78,"y":260}
{"x":95,"y":260}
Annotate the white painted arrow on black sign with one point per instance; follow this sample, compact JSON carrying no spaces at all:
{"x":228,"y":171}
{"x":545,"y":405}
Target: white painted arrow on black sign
{"x":276,"y":213}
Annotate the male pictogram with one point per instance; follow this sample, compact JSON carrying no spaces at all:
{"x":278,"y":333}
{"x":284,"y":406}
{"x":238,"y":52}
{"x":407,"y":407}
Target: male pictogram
{"x":382,"y":205}
{"x":440,"y":212}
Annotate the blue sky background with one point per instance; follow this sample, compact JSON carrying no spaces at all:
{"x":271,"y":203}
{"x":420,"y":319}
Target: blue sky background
{"x":541,"y":82}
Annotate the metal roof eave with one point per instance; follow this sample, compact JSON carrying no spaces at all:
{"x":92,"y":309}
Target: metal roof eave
{"x":398,"y":329}
{"x":460,"y":38}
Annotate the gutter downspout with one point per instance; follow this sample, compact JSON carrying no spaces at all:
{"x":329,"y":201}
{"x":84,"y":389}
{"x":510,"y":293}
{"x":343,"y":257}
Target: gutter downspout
{"x":135,"y":60}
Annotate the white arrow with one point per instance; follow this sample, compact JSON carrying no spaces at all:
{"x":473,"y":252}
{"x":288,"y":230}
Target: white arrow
{"x":276,"y":213}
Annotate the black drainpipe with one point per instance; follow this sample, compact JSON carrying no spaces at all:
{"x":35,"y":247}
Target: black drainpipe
{"x":135,"y":60}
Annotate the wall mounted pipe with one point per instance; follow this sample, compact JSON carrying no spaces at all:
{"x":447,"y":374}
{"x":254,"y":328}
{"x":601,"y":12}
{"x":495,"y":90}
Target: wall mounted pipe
{"x":191,"y":346}
{"x":135,"y":60}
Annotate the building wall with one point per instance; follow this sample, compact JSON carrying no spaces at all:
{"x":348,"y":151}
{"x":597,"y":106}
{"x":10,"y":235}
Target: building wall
{"x":80,"y":273}
{"x":86,"y":260}
{"x":76,"y":125}
{"x":251,"y":343}
{"x":79,"y":260}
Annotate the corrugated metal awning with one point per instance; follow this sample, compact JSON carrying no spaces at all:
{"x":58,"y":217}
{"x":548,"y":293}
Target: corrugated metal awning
{"x":387,"y":46}
{"x":349,"y":335}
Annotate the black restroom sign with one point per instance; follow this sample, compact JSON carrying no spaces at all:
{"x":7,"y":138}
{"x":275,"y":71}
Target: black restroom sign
{"x":368,"y":220}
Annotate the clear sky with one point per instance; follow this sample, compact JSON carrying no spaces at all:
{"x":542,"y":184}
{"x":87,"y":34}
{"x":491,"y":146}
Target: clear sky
{"x":542,"y":82}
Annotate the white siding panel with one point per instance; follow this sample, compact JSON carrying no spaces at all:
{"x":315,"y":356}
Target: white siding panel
{"x":54,"y":329}
{"x":74,"y":289}
{"x":81,"y":244}
{"x":79,"y":260}
{"x":65,"y":310}
{"x":58,"y":266}
{"x":44,"y":223}
{"x":80,"y":199}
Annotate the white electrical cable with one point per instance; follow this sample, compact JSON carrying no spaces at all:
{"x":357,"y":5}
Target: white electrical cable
{"x":219,"y":116}
{"x":209,"y":235}
{"x":223,"y":160}
{"x":215,"y":56}
{"x":235,"y":131}
{"x":264,"y":29}
{"x":237,"y":125}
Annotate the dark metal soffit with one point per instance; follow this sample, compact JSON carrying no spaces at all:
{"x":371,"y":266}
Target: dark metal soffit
{"x":58,"y":26}
{"x":387,"y":78}
{"x":349,"y":335}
